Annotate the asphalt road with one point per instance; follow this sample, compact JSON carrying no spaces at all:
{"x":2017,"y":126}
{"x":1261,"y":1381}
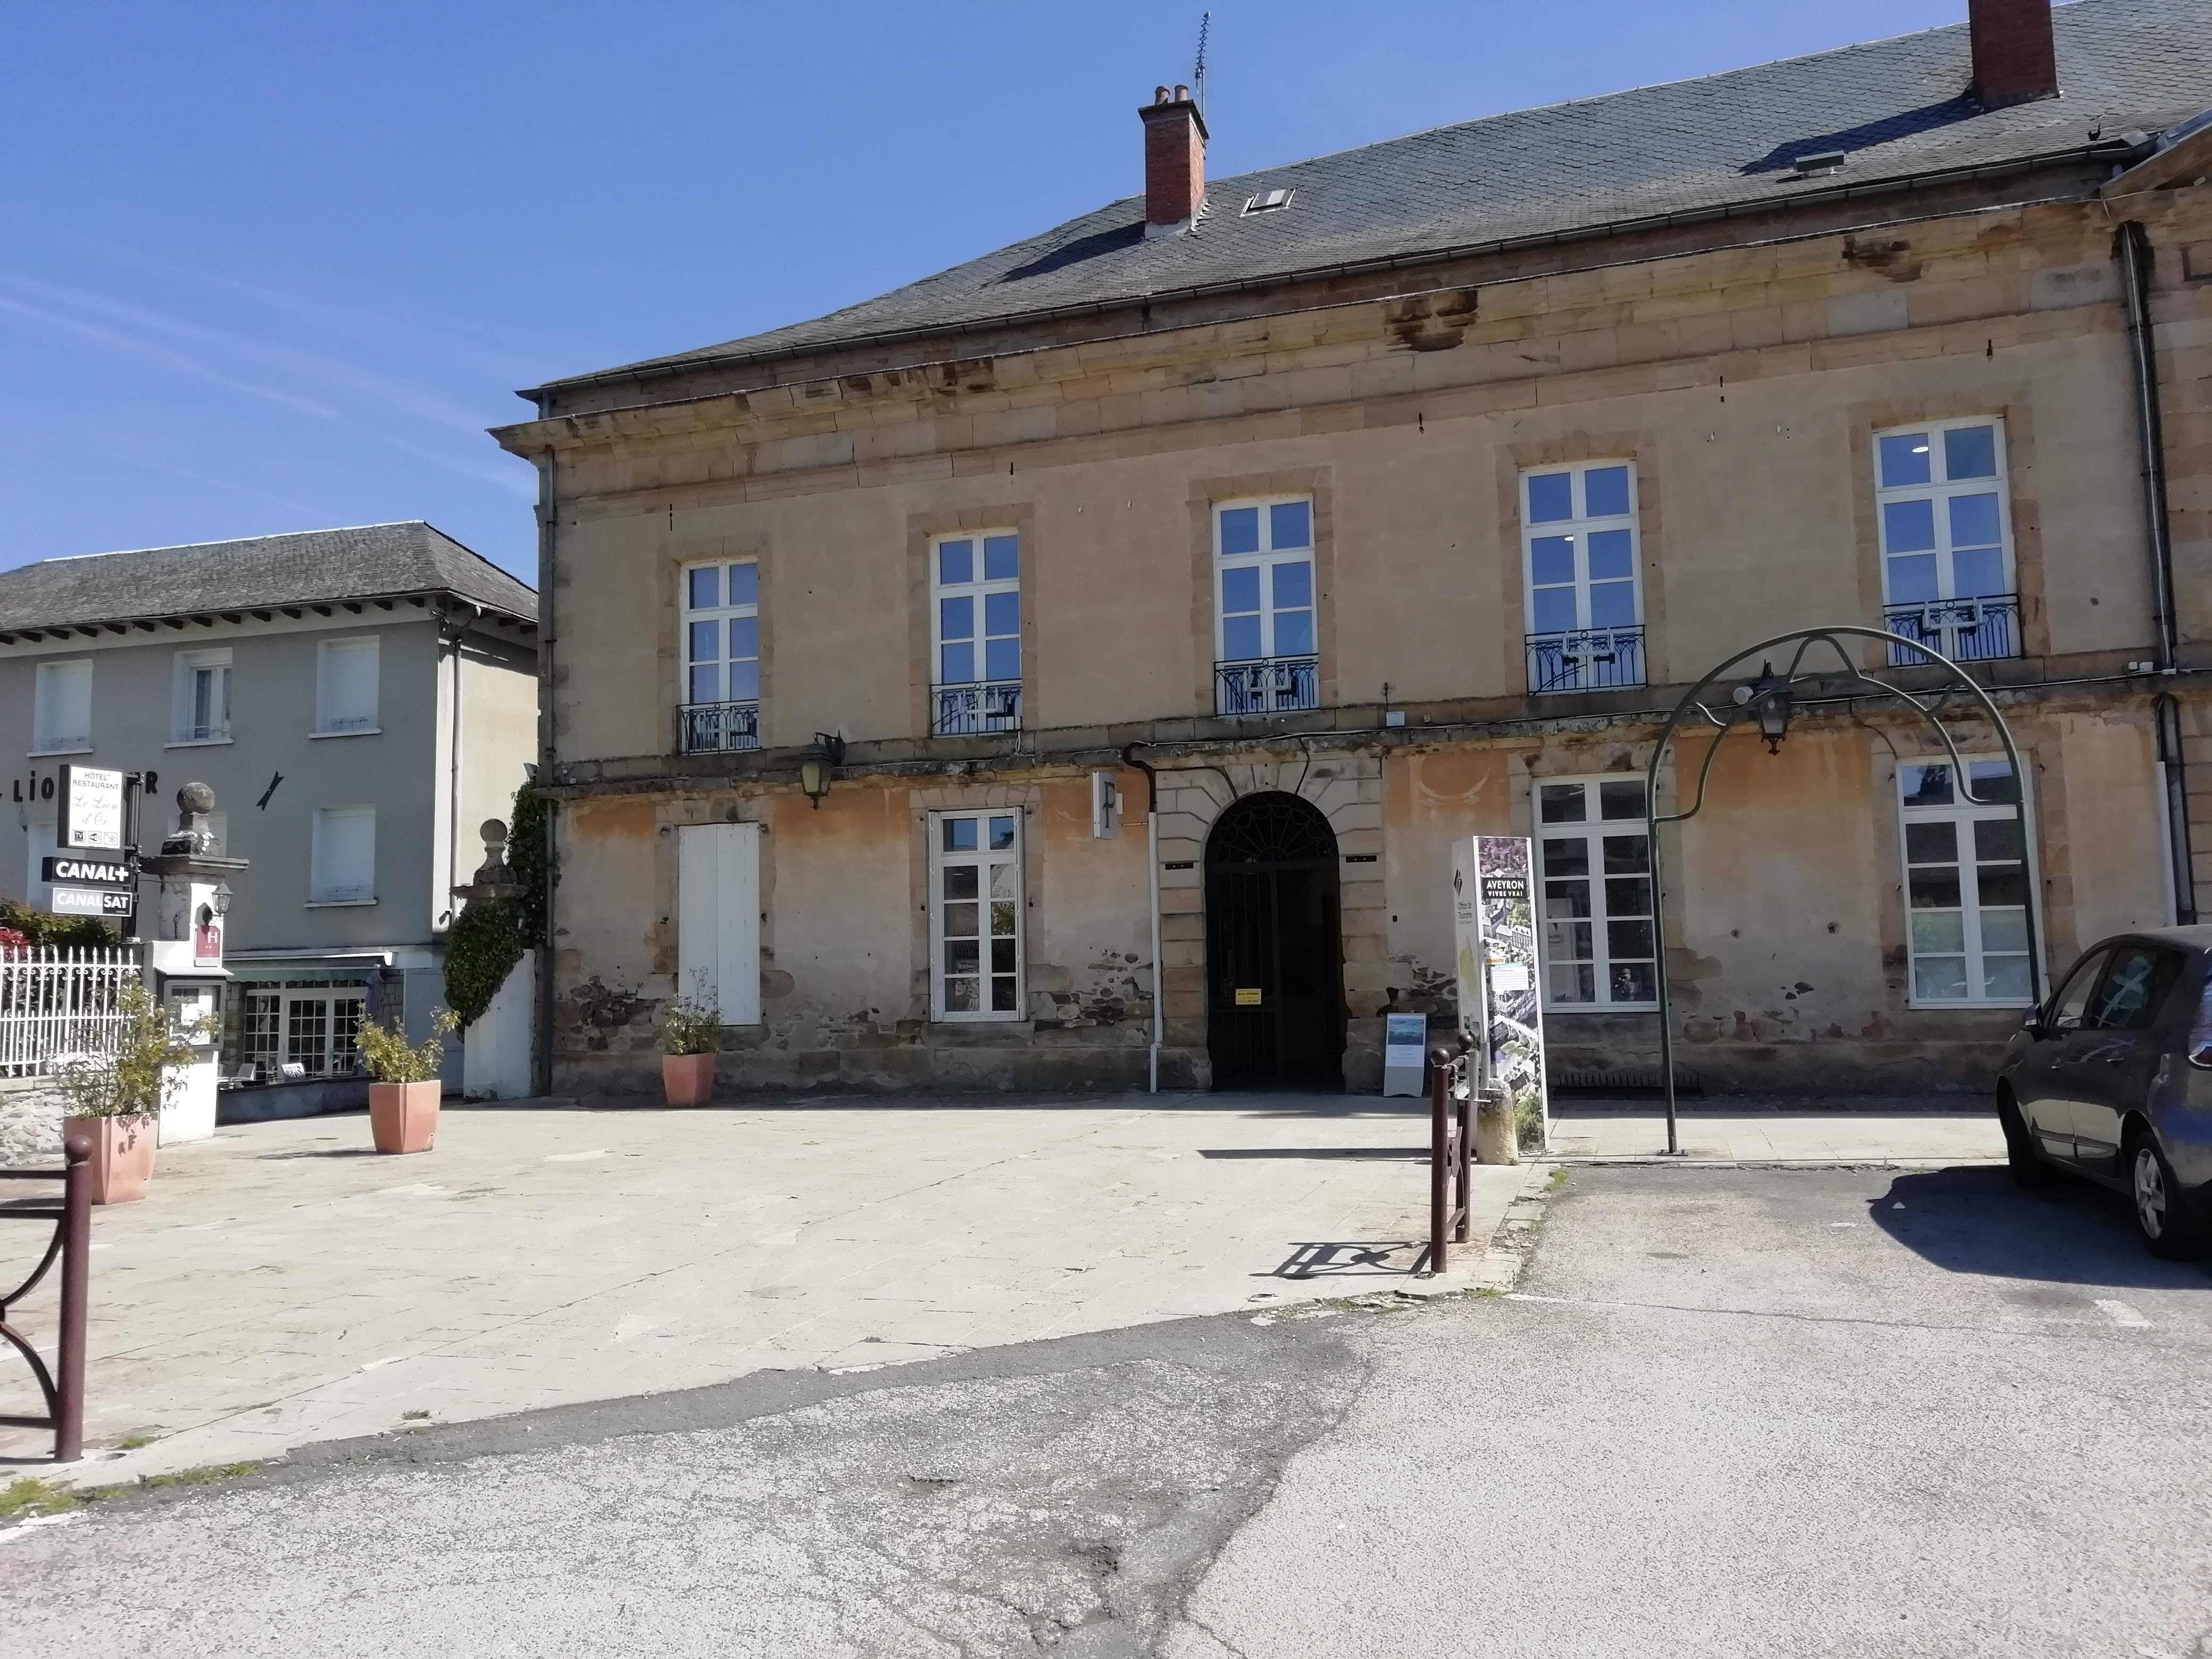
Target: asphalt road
{"x":1729,"y":1412}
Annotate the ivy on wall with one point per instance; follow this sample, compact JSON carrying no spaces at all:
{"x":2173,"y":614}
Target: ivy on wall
{"x":489,"y":936}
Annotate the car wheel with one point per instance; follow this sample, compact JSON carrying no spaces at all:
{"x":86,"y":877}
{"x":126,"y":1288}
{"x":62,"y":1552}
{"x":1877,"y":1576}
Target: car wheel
{"x":2028,"y":1169}
{"x":2161,"y":1216}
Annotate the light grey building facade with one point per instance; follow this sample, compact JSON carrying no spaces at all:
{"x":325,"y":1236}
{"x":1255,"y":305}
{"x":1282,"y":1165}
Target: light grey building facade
{"x":361,"y":699}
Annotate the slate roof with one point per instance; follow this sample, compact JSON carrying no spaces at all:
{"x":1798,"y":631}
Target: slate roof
{"x":1725,"y":142}
{"x":315,"y":567}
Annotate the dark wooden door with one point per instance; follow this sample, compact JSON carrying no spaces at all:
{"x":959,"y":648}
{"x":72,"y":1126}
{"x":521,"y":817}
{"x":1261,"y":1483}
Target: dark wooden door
{"x":1274,"y":968}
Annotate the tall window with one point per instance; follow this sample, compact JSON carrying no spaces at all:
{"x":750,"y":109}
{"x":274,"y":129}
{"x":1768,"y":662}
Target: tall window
{"x":1965,"y":884}
{"x":1947,"y":564}
{"x":200,"y":699}
{"x":975,"y":916}
{"x":1596,"y":863}
{"x":1265,"y":655}
{"x":342,"y":858}
{"x":721,"y":657}
{"x":346,"y":687}
{"x":61,"y":707}
{"x":976,"y":584}
{"x":1585,"y":615}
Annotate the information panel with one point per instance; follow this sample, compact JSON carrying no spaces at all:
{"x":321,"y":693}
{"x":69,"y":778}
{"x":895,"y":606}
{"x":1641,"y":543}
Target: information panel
{"x":1494,"y":948}
{"x":90,"y":816}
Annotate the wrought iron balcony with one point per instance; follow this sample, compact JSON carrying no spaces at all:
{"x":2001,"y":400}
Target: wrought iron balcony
{"x":707,"y":728}
{"x":1586,"y":659}
{"x":1964,"y":631}
{"x":1267,"y":685}
{"x":975,"y":709}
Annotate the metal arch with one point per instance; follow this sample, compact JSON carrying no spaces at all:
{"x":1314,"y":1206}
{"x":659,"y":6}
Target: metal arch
{"x":1851,"y":673}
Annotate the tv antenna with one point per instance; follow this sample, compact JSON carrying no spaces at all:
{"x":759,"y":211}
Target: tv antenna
{"x":1197,"y":75}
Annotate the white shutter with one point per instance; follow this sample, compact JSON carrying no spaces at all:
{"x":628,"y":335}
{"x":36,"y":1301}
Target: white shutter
{"x":345,"y":688}
{"x":344,"y":855}
{"x":718,"y":918}
{"x":62,"y":715}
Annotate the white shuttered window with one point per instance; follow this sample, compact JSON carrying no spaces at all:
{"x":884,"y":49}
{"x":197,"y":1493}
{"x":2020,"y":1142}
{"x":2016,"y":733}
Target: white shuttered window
{"x":61,"y":714}
{"x":345,"y":687}
{"x":718,"y":919}
{"x":342,"y":859}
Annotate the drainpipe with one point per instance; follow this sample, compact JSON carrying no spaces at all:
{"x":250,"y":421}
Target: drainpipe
{"x":541,"y":1081}
{"x":2132,"y":248}
{"x":1152,"y":876}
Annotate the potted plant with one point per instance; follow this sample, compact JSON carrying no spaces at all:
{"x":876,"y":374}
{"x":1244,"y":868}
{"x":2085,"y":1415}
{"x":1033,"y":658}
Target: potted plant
{"x":403,"y":1098}
{"x":115,"y":1099}
{"x":691,"y":1032}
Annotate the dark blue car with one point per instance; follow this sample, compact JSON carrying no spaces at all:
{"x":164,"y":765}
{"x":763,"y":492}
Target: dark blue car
{"x":2111,"y":1077}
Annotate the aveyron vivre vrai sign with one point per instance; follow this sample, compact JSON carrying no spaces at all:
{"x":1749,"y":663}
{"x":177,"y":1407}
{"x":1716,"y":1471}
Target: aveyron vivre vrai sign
{"x":90,"y":817}
{"x":1494,"y":948}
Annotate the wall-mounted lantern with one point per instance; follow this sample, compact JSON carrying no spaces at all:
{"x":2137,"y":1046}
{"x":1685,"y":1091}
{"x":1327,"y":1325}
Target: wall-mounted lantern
{"x":1770,"y":691}
{"x":821,"y":758}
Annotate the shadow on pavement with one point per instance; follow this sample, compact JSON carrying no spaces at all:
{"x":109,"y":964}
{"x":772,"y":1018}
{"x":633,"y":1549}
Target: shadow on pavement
{"x":1353,"y":1259}
{"x":1977,"y":1221}
{"x":1399,"y":1154}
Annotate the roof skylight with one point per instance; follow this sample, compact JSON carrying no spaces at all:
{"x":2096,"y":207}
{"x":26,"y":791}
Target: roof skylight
{"x":1267,"y":201}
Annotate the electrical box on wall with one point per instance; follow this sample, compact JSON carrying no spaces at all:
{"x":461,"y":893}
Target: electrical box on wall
{"x":1105,"y":805}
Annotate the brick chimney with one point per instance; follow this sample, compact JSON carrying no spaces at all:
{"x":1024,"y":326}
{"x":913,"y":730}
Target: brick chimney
{"x":1175,"y":161}
{"x":2015,"y":61}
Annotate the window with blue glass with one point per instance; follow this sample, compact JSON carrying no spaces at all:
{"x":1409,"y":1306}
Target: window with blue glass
{"x":720,"y":692}
{"x":1585,"y":603}
{"x":1265,"y":642}
{"x":1947,"y":563}
{"x":975,"y":590}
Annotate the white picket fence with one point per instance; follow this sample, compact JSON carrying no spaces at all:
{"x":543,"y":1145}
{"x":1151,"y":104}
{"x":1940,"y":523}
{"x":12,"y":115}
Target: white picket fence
{"x":55,"y":1002}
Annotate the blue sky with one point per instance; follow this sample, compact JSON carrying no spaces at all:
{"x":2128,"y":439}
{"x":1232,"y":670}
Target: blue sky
{"x":268,"y":267}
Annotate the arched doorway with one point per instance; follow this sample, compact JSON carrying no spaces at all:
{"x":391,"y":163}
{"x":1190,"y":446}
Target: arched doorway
{"x":1274,"y":948}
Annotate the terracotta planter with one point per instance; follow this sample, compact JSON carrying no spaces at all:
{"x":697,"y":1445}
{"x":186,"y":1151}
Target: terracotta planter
{"x":122,"y":1155}
{"x":404,"y":1116}
{"x":689,"y":1079}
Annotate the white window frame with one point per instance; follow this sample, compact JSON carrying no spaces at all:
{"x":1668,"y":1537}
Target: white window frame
{"x":1262,"y":688}
{"x":1592,"y":832}
{"x":44,"y":740}
{"x":330,"y":724}
{"x":1970,"y":923}
{"x":1588,"y":655}
{"x":982,"y":711}
{"x":185,"y":729}
{"x":322,"y":890}
{"x":724,"y":735}
{"x":1977,"y":627}
{"x":986,"y":860}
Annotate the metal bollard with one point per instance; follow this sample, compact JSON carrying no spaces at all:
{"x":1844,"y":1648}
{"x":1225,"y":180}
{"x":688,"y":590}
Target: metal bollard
{"x":77,"y":1295}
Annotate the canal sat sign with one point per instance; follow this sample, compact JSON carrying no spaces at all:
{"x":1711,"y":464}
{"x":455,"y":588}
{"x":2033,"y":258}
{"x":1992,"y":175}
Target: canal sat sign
{"x":90,"y":817}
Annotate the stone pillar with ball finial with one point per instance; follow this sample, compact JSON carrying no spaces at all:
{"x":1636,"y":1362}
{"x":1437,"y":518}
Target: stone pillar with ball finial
{"x":497,"y":1047}
{"x":184,"y":955}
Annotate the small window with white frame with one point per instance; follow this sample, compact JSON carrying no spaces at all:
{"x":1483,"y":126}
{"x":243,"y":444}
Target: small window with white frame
{"x":975,"y":916}
{"x":346,"y":689}
{"x":1945,"y":527}
{"x":719,"y":697}
{"x":341,"y":860}
{"x":1594,"y":859}
{"x":1967,"y":885}
{"x":1585,"y":598}
{"x":200,"y":698}
{"x":976,"y":586}
{"x":61,"y":707}
{"x":1265,"y":650}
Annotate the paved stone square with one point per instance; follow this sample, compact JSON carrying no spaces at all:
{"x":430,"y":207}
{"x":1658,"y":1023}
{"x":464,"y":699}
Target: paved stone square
{"x":284,"y":1284}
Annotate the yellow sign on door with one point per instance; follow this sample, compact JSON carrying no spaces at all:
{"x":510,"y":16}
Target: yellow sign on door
{"x":1248,"y":996}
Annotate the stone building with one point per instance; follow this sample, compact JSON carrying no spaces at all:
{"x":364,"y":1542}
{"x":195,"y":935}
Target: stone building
{"x":1385,"y":498}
